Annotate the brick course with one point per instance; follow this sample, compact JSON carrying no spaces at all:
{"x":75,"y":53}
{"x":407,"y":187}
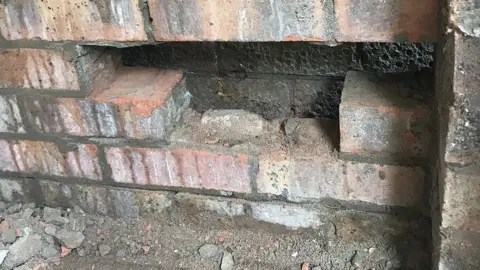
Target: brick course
{"x":310,"y":170}
{"x":47,"y":158}
{"x":383,"y":184}
{"x":375,"y":118}
{"x":180,"y":168}
{"x":139,"y":104}
{"x":460,"y":205}
{"x":10,"y":119}
{"x":72,"y":20}
{"x":37,"y":69}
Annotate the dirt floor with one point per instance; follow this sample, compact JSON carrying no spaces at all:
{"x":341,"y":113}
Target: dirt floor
{"x":54,"y":238}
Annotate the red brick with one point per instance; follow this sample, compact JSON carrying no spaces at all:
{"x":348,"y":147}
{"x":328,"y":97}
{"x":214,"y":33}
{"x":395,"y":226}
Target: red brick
{"x":116,"y":20}
{"x":46,"y":158}
{"x":180,"y":168}
{"x":37,"y":69}
{"x":237,"y":20}
{"x":383,"y":184}
{"x":460,"y":204}
{"x":307,"y":170}
{"x":299,"y":177}
{"x":390,"y":20}
{"x":375,"y":118}
{"x":140,"y":104}
{"x":306,"y":20}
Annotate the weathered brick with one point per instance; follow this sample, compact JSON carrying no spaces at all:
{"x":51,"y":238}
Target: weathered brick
{"x":410,"y":20}
{"x":376,"y":118}
{"x":115,"y":20}
{"x":459,"y":250}
{"x":233,"y":124}
{"x":304,"y":20}
{"x":460,"y":205}
{"x":10,"y":119}
{"x":309,"y":170}
{"x":179,"y":168}
{"x":299,"y":177}
{"x":11,"y":190}
{"x":383,"y":184}
{"x":104,"y":200}
{"x":37,"y":69}
{"x":47,"y":158}
{"x":139,"y":104}
{"x":240,"y":20}
{"x":463,"y":70}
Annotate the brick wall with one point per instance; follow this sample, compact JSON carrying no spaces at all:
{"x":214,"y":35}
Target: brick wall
{"x":457,"y":206}
{"x":90,"y":97}
{"x":76,"y":107}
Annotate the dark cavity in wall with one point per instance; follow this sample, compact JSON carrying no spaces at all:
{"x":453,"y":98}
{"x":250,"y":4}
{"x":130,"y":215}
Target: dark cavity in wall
{"x":280,"y":79}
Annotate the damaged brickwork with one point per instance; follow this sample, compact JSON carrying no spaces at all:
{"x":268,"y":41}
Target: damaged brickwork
{"x":301,"y":114}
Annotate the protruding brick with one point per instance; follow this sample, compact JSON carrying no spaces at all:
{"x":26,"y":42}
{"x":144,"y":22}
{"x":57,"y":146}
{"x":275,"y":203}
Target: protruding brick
{"x":47,"y":158}
{"x":383,"y":184}
{"x":375,"y":118}
{"x":10,"y":119}
{"x":37,"y":69}
{"x":238,"y":20}
{"x":139,"y":104}
{"x":110,"y":20}
{"x":180,"y":168}
{"x":461,"y":205}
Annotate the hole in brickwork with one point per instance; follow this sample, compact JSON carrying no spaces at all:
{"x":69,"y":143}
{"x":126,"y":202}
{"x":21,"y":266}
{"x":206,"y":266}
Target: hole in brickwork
{"x":278,"y":79}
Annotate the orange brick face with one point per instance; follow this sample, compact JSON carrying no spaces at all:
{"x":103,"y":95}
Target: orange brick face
{"x":37,"y":69}
{"x":46,"y":158}
{"x":72,"y":20}
{"x":390,"y":20}
{"x":139,"y":104}
{"x":180,"y":168}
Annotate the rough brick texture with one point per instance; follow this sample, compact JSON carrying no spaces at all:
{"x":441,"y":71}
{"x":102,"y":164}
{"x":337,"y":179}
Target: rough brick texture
{"x":311,"y":171}
{"x":462,"y":100}
{"x":383,"y":184}
{"x":116,"y":20}
{"x":37,"y":69}
{"x":460,"y":204}
{"x":375,"y":118}
{"x":10,"y":119}
{"x":457,"y":226}
{"x":180,"y":168}
{"x":408,"y":20}
{"x":113,"y":201}
{"x":304,"y":20}
{"x":47,"y":158}
{"x":140,"y":104}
